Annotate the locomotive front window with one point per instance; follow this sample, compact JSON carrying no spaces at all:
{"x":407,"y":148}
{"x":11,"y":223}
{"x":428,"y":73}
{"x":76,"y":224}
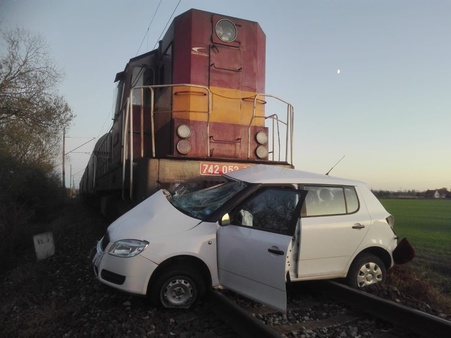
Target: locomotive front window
{"x":142,"y":76}
{"x":118,"y":93}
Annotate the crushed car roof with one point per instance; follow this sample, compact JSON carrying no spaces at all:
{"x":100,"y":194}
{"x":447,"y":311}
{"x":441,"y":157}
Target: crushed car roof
{"x":269,"y":174}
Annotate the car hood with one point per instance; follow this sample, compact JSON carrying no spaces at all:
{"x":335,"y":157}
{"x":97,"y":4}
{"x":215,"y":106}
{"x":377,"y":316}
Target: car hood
{"x":153,"y":217}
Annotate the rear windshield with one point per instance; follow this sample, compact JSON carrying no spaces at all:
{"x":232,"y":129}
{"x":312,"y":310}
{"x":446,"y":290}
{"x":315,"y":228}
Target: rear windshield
{"x":202,"y":203}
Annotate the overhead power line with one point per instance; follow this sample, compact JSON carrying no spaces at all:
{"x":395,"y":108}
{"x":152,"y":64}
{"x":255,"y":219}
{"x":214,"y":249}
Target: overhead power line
{"x":148,"y":28}
{"x":167,"y":24}
{"x":150,"y":24}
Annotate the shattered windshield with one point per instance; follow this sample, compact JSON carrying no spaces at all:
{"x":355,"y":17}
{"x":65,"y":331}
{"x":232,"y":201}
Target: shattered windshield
{"x":201,"y":204}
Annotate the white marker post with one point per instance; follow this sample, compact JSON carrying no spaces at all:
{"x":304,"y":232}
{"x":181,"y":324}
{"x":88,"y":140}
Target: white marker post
{"x":43,"y":245}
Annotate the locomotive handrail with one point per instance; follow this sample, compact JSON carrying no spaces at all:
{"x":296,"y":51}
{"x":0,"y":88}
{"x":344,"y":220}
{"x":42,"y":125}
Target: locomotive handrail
{"x":275,"y":119}
{"x":125,"y":148}
{"x":258,"y":99}
{"x":129,"y":123}
{"x":251,"y":99}
{"x":255,"y":99}
{"x":152,"y":110}
{"x":187,"y":92}
{"x":236,"y":70}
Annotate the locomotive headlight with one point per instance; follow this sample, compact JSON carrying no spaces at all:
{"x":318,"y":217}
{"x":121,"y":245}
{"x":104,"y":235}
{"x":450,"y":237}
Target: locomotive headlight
{"x":225,"y":30}
{"x":183,"y":147}
{"x":261,"y":152}
{"x":261,"y":137}
{"x":183,"y":131}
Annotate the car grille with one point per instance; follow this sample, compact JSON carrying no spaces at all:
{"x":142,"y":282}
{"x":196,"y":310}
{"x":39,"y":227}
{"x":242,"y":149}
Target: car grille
{"x":112,"y":277}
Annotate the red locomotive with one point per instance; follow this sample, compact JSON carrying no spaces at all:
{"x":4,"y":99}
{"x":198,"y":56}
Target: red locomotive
{"x":191,"y":109}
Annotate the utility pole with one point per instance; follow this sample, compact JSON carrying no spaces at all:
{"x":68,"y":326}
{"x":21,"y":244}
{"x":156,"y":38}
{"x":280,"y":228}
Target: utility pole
{"x":63,"y":183}
{"x":64,"y":170}
{"x":70,"y":182}
{"x":64,"y":164}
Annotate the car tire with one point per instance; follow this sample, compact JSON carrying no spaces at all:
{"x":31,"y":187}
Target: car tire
{"x":367,"y":269}
{"x":178,"y":287}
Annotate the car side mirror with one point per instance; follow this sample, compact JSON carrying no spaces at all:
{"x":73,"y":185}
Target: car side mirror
{"x":225,"y":220}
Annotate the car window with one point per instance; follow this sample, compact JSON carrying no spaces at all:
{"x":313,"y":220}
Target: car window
{"x":269,"y":209}
{"x":327,"y":200}
{"x":352,"y":202}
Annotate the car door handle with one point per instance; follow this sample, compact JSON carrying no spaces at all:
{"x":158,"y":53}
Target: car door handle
{"x":358,"y":226}
{"x":275,"y":251}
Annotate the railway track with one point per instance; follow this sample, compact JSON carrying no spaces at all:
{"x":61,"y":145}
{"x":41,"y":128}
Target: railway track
{"x":341,"y":311}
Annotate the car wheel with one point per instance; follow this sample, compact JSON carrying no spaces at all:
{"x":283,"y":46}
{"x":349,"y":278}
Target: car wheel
{"x":177,"y":288}
{"x":366,"y":269}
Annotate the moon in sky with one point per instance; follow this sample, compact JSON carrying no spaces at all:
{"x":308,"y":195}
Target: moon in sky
{"x":338,"y":71}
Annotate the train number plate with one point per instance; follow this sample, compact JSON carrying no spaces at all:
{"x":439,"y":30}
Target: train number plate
{"x":217,"y":169}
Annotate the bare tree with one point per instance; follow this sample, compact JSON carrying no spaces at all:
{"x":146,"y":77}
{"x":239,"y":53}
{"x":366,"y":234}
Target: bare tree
{"x":32,"y":114}
{"x":32,"y":117}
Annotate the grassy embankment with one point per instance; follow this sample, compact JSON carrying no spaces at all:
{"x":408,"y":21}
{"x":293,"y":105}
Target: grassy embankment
{"x":427,"y":225}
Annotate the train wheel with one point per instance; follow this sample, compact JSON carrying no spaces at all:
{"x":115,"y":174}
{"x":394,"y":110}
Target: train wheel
{"x":366,"y":269}
{"x":177,"y":288}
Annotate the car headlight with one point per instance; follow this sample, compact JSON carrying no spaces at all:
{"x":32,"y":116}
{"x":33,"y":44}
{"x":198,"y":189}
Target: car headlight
{"x":127,"y":248}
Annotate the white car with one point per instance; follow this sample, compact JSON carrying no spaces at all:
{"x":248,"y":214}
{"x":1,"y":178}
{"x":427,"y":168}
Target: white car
{"x":265,"y":226}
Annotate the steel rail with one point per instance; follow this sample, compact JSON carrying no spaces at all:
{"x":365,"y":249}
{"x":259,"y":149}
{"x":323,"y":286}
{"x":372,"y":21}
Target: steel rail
{"x":410,"y":319}
{"x":401,"y":316}
{"x":242,"y":322}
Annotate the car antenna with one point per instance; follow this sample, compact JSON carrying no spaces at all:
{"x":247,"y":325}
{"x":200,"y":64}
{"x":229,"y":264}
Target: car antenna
{"x":327,"y":174}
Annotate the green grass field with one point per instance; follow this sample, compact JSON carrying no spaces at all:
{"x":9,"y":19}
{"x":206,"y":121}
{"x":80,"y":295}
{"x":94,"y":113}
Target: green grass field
{"x":426,"y":224}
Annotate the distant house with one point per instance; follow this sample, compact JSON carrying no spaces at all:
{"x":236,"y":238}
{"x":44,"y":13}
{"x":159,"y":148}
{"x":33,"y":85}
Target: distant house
{"x":438,"y":193}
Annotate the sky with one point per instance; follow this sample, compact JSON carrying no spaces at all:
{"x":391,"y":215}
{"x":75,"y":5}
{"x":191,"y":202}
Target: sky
{"x":370,"y":80}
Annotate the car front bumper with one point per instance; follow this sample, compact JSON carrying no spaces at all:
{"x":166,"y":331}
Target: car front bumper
{"x":130,"y":275}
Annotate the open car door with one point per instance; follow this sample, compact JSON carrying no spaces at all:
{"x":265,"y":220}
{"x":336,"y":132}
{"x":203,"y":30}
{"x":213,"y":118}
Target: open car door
{"x":253,"y":245}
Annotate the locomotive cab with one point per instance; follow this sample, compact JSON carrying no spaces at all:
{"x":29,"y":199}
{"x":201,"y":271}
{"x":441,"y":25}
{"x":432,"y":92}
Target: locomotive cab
{"x":194,"y":108}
